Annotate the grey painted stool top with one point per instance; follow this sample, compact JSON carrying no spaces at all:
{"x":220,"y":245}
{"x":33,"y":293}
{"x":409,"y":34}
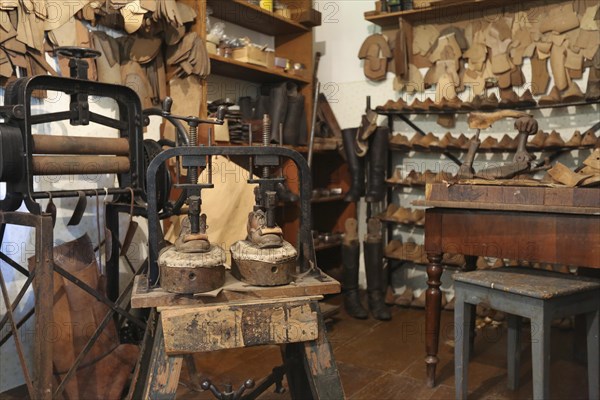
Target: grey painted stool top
{"x":535,"y":283}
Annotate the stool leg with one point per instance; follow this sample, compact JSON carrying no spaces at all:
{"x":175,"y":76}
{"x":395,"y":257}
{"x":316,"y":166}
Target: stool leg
{"x":593,"y":353}
{"x":163,"y":371}
{"x":462,"y":328}
{"x":471,"y":265}
{"x":514,"y":350}
{"x":540,"y":355}
{"x":310,"y":366}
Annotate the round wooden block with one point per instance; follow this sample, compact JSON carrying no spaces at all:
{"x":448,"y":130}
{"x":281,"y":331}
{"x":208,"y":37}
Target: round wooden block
{"x":263,"y":267}
{"x":192,"y":272}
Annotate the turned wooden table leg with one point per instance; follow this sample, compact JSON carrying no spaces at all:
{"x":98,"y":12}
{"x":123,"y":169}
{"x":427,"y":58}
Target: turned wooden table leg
{"x":433,"y":306}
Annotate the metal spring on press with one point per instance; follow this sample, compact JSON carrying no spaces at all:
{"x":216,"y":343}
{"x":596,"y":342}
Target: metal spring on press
{"x":266,"y":140}
{"x":193,"y":171}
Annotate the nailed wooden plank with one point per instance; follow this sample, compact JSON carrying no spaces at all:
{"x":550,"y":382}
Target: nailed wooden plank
{"x":234,"y":290}
{"x":227,"y":326}
{"x":554,"y":197}
{"x":588,"y":197}
{"x":522,"y":195}
{"x":163,"y":377}
{"x":321,"y":368}
{"x":514,"y":198}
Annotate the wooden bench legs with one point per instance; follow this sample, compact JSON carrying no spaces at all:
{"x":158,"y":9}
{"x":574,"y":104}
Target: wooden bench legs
{"x":310,"y":368}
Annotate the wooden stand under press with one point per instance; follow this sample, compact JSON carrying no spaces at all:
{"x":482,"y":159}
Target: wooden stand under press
{"x":239,"y":316}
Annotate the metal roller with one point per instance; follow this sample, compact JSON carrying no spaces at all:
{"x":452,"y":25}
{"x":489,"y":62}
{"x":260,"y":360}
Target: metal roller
{"x":79,"y":165}
{"x":46,"y":144}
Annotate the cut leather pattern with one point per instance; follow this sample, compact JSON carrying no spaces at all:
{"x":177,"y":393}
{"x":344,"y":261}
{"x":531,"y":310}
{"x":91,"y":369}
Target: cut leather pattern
{"x":375,"y":51}
{"x":561,"y":40}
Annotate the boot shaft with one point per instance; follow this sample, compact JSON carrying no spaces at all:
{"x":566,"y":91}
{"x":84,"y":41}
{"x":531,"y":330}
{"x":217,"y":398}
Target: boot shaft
{"x":355,"y":166}
{"x":373,"y":255}
{"x":378,"y":155}
{"x":294,"y":127}
{"x":350,"y":264}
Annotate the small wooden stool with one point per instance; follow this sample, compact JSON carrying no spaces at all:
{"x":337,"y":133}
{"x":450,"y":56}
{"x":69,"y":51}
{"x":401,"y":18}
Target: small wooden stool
{"x":538,"y":295}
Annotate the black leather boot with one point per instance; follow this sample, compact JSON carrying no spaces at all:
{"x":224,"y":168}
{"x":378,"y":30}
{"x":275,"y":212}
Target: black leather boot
{"x":278,"y":109}
{"x":350,"y":263}
{"x":378,"y":154}
{"x":373,"y":248}
{"x":246,"y":108}
{"x":263,"y":104}
{"x":355,"y":166}
{"x":294,"y":128}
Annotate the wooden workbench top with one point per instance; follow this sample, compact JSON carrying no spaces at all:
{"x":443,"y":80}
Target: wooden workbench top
{"x":513,"y":198}
{"x":233,"y":290}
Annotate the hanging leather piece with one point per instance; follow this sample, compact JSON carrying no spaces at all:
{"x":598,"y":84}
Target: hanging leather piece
{"x":99,"y":234}
{"x":107,"y":233}
{"x":131,"y":228}
{"x":51,"y":209}
{"x":401,"y":53}
{"x":79,"y":209}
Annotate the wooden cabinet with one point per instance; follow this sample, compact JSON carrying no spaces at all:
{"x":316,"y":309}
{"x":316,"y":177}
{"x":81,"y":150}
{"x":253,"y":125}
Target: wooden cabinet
{"x":293,"y":41}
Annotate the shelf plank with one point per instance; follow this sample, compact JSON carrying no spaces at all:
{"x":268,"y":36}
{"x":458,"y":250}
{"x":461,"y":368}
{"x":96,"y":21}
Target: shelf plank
{"x":248,"y":72}
{"x":440,"y":11}
{"x":300,"y":149}
{"x":394,"y":222}
{"x":462,"y":111}
{"x":328,"y":199}
{"x":326,"y":246}
{"x":485,"y":151}
{"x":250,"y":16}
{"x":405,"y":260}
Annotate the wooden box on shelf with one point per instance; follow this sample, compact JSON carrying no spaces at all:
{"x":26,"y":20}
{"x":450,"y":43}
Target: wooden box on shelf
{"x":251,"y":55}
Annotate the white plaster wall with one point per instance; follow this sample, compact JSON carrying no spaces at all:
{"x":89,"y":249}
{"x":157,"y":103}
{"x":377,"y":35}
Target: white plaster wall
{"x":343,"y":82}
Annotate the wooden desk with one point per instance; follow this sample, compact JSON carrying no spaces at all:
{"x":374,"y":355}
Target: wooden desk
{"x":537,"y":224}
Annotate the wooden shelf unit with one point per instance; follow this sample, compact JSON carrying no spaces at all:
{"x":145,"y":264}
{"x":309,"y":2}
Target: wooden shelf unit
{"x":295,"y":42}
{"x":442,"y":10}
{"x":250,"y":16}
{"x":235,"y":69}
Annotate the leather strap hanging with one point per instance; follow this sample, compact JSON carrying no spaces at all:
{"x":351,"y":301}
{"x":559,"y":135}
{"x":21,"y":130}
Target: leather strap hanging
{"x":51,"y":209}
{"x":131,"y":228}
{"x":79,"y":209}
{"x":107,"y":233}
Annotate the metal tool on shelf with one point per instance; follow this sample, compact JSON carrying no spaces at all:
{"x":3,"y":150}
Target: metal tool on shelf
{"x":526,"y":126}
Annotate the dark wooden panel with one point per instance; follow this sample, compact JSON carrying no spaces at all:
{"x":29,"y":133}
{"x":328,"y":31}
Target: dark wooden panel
{"x":578,"y":240}
{"x":553,"y":238}
{"x":497,"y":234}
